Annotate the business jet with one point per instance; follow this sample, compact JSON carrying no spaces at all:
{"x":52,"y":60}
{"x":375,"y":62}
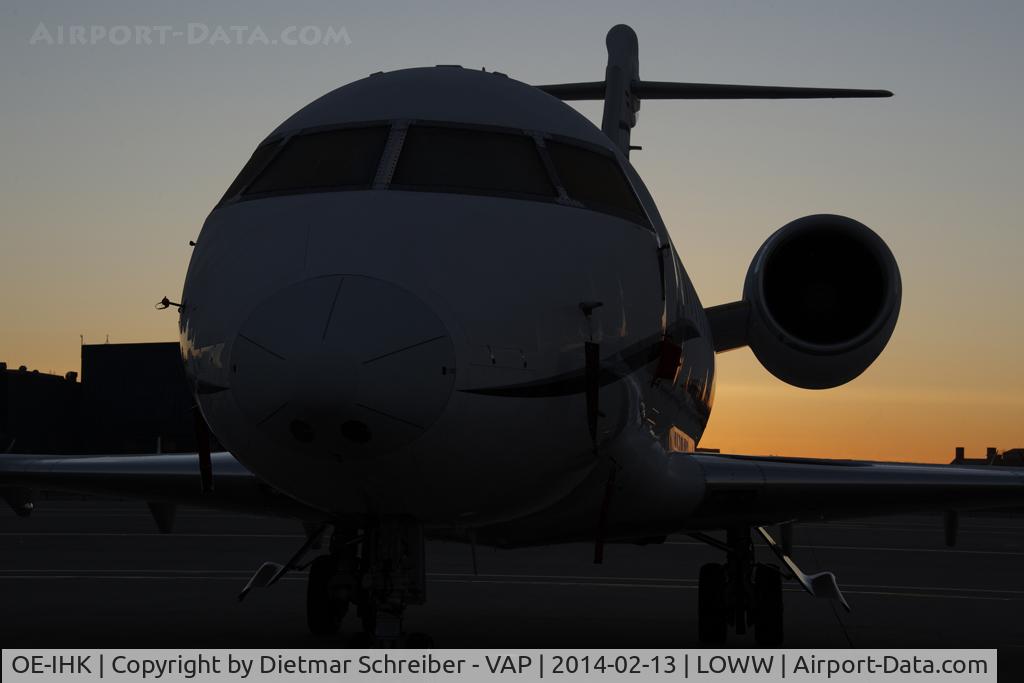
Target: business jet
{"x":440,"y":303}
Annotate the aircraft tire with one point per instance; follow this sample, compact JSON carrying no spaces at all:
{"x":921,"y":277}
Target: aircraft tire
{"x":367,"y":611}
{"x":324,"y":611}
{"x":419,"y":641}
{"x":768,"y":623}
{"x":711,"y":604}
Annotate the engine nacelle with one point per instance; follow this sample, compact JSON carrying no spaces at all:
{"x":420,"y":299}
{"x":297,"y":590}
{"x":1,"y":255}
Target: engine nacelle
{"x":822,"y":297}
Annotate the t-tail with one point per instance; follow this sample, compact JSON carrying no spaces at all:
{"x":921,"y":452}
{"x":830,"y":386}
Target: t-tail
{"x":622,"y":89}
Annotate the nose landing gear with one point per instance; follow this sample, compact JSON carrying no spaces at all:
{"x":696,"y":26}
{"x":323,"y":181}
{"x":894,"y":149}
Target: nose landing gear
{"x":381,"y":572}
{"x":330,"y":589}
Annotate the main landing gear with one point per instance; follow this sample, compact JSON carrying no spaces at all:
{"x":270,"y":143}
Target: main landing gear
{"x":380,"y":570}
{"x":739,"y":593}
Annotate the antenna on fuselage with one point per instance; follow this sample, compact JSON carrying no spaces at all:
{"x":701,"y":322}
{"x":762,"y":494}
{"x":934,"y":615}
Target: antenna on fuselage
{"x":622,"y":90}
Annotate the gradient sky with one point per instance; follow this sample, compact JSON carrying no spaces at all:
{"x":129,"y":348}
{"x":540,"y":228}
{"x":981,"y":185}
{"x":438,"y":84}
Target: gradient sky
{"x":113,"y":155}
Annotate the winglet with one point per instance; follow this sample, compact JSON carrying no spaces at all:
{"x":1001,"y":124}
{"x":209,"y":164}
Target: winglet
{"x":163,"y":515}
{"x":270,"y":573}
{"x":821,"y":585}
{"x":266,"y":575}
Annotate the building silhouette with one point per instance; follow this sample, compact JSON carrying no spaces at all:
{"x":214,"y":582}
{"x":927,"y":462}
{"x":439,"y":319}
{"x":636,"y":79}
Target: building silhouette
{"x":1014,"y":457}
{"x":39,"y":412}
{"x":132,"y":398}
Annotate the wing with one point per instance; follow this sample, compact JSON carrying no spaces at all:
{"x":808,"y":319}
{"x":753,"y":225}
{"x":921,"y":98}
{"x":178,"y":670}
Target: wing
{"x":165,"y":479}
{"x":757,"y":490}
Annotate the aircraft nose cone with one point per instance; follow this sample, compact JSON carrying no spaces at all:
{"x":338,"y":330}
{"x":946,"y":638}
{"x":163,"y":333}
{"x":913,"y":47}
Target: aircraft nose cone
{"x":344,"y":365}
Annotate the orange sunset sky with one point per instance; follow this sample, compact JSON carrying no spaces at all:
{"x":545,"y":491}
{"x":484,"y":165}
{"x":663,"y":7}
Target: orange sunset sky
{"x":113,"y":156}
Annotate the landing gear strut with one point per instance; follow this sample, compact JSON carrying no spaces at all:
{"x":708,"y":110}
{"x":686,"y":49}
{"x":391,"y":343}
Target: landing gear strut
{"x":332,"y":584}
{"x":739,"y":593}
{"x":381,"y":572}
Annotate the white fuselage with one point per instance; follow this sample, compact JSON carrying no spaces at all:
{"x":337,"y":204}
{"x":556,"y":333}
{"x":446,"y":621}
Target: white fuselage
{"x":385,"y":351}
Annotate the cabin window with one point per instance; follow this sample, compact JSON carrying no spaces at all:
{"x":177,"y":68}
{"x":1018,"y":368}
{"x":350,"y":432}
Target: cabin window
{"x":334,"y":159}
{"x":444,"y":159}
{"x":594,"y":179}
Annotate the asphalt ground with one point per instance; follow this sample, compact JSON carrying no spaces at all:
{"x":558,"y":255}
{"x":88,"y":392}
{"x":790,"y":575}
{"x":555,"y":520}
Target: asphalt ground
{"x":86,"y":573}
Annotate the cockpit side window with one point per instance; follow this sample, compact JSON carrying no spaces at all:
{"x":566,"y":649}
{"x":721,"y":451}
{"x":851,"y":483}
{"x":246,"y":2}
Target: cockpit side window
{"x":445,"y":159}
{"x":334,"y":159}
{"x":594,"y":179}
{"x":255,"y":164}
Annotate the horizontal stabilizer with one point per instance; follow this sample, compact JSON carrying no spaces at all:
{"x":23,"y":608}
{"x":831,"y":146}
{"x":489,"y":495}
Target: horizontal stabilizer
{"x":593,"y":90}
{"x":668,"y":90}
{"x":662,"y":90}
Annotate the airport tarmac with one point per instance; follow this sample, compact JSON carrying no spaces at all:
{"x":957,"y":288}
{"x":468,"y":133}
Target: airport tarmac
{"x":96,"y":573}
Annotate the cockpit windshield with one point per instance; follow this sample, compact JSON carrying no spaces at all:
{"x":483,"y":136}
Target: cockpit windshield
{"x":458,"y":159}
{"x":440,"y":157}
